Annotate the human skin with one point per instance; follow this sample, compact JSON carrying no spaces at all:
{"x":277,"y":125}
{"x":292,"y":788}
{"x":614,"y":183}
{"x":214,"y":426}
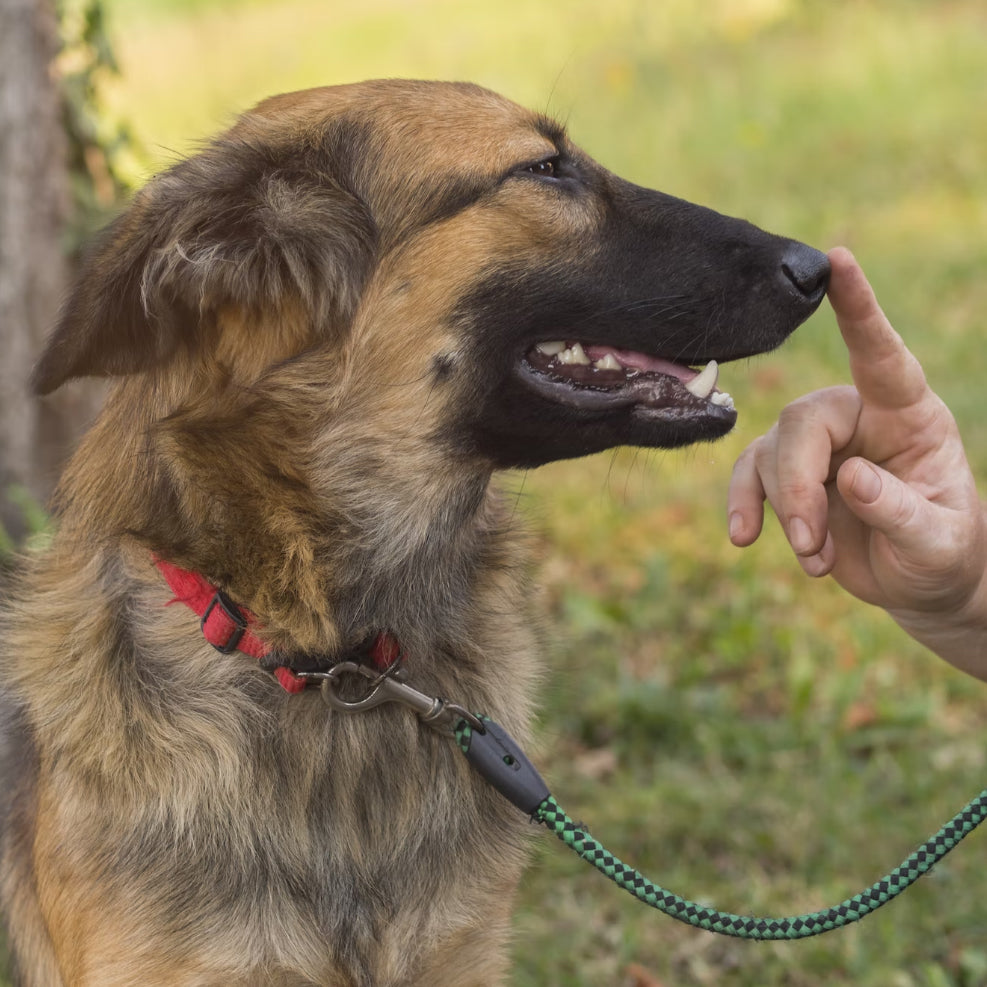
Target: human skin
{"x":872,"y":486}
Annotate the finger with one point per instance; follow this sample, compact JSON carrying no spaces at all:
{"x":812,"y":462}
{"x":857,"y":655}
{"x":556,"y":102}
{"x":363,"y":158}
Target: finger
{"x":820,"y":564}
{"x":890,"y":506}
{"x":810,"y":432}
{"x":885,"y":372}
{"x":745,"y":498}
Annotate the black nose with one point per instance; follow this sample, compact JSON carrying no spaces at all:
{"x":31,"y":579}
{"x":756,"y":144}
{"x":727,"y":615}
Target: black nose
{"x":806,"y":270}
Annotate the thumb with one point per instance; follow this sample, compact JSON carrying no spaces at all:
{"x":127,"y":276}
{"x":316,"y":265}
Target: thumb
{"x":885,"y":503}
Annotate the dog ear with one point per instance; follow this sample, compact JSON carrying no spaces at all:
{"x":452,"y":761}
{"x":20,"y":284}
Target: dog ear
{"x":242,"y":223}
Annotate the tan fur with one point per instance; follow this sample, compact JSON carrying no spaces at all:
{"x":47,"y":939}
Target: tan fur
{"x":258,"y":455}
{"x":295,"y":325}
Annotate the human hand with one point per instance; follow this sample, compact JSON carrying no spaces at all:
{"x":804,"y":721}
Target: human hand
{"x":871,"y":484}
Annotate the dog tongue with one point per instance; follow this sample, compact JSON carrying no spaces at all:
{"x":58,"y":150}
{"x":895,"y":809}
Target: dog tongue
{"x":631,"y":360}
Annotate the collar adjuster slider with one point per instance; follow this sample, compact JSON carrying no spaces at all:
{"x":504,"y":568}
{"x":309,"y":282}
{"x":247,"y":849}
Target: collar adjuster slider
{"x":223,"y":623}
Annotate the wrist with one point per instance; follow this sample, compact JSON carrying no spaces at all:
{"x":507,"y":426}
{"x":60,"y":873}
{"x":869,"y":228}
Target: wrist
{"x":957,"y":634}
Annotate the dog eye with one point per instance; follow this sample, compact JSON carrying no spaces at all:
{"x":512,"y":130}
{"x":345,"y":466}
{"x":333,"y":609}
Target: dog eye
{"x":549,"y":168}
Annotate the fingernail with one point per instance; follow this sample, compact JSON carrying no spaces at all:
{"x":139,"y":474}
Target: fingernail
{"x":736,"y":523}
{"x":799,"y":535}
{"x":866,"y":483}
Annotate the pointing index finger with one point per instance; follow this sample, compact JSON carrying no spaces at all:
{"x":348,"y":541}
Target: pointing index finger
{"x":885,"y":372}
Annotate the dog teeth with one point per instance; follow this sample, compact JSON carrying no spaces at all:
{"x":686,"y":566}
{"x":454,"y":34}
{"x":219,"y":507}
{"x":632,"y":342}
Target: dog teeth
{"x":702,"y":385}
{"x":575,"y":354}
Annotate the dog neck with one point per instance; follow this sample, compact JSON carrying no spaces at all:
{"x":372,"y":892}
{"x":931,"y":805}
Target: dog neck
{"x":230,"y":628}
{"x":326,"y":540}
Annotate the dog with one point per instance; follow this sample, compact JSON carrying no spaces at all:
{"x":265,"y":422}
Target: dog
{"x":326,"y":331}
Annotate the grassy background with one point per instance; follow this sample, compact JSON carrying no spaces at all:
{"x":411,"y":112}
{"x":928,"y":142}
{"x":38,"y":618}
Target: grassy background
{"x":745,"y":736}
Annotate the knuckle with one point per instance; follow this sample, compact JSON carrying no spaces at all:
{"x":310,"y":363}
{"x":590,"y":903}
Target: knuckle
{"x":762,"y":449}
{"x":796,"y":489}
{"x":817,"y":407}
{"x":903,"y":509}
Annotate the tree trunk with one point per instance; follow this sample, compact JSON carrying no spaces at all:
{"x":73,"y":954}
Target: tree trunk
{"x":34,"y":205}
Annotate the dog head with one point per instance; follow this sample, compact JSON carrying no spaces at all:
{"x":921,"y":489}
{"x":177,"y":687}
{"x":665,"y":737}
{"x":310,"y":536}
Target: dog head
{"x":435,"y":245}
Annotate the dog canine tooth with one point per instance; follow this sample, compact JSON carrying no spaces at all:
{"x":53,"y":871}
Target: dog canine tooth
{"x":319,"y":364}
{"x":575,"y":354}
{"x":702,"y":385}
{"x":608,"y":362}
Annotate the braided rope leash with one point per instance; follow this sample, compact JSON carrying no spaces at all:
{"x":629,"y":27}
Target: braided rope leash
{"x":496,"y":756}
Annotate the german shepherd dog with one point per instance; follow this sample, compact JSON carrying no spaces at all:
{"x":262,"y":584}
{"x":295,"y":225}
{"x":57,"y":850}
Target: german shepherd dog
{"x":326,"y":331}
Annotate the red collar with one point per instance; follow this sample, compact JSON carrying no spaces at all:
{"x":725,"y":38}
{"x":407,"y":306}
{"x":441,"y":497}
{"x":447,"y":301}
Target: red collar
{"x":229,"y":627}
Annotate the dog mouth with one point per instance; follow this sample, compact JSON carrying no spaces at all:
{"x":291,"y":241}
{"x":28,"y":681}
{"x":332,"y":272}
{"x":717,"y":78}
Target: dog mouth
{"x":594,"y":377}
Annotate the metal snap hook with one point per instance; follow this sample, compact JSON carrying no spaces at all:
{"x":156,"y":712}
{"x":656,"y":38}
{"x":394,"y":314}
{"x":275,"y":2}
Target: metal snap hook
{"x":390,"y":688}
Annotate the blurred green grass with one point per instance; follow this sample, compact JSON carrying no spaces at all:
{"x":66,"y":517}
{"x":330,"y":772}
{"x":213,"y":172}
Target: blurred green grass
{"x":745,"y":736}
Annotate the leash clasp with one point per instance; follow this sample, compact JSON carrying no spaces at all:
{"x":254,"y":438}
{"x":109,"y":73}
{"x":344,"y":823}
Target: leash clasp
{"x":390,"y":687}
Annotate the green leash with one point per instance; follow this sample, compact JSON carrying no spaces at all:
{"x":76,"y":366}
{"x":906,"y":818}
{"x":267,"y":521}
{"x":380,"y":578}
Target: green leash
{"x":498,"y":758}
{"x":495,"y":755}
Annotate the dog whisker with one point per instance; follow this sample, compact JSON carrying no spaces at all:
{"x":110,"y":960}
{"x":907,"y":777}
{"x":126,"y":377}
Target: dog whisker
{"x":323,"y":331}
